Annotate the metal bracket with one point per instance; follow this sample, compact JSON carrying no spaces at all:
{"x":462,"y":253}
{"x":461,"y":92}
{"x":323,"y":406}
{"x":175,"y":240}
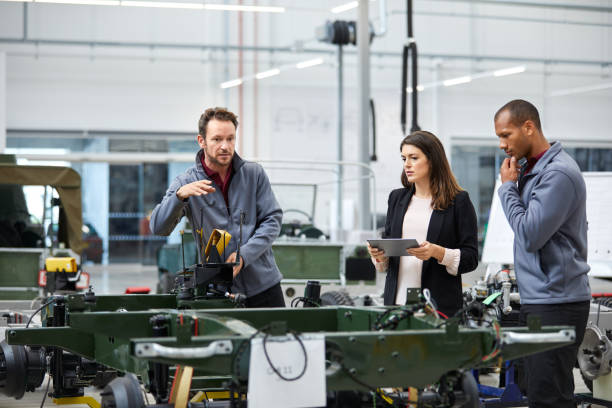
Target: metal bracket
{"x":554,"y":337}
{"x":218,"y":347}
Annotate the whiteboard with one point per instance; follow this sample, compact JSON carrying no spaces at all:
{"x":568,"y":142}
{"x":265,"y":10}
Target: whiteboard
{"x":499,"y":239}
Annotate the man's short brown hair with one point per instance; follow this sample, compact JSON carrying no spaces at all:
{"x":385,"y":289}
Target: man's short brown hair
{"x":520,"y":112}
{"x":218,"y":114}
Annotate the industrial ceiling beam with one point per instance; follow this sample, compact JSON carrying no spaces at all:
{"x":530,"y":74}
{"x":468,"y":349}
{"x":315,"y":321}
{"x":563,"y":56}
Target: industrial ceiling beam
{"x":294,"y":50}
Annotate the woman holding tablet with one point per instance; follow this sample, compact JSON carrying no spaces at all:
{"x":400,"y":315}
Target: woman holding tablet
{"x":434,"y":210}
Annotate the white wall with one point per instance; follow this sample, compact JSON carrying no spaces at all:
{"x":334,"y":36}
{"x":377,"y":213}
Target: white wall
{"x":127,"y":88}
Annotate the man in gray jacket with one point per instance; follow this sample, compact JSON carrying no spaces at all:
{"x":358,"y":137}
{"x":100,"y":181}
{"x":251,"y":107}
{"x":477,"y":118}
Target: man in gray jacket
{"x":545,"y":203}
{"x":217,"y":192}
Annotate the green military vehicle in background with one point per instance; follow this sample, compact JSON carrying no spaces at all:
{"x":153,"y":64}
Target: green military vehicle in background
{"x":23,"y":238}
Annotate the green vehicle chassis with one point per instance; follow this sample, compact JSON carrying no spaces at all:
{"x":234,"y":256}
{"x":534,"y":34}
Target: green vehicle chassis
{"x":365,"y":348}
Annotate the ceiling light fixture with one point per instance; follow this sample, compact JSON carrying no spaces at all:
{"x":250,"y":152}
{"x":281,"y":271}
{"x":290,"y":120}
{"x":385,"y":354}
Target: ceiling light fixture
{"x":232,"y":7}
{"x":582,"y":89}
{"x":470,"y":78}
{"x":509,"y":71}
{"x":82,"y":2}
{"x":309,"y":63}
{"x":273,"y":72}
{"x":160,"y":4}
{"x":267,"y":74}
{"x":232,"y":83}
{"x":345,"y":7}
{"x":457,"y":81}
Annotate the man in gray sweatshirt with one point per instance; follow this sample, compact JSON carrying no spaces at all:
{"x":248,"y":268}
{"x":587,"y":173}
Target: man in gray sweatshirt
{"x":545,"y":203}
{"x":218,"y":191}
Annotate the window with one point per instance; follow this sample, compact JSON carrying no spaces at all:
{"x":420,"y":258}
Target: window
{"x":477,"y":168}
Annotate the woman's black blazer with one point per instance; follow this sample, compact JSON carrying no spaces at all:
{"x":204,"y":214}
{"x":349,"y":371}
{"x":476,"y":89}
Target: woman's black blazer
{"x":453,"y":228}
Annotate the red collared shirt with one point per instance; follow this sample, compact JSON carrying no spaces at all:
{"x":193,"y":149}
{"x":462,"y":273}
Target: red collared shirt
{"x":532,"y":161}
{"x":216,"y":177}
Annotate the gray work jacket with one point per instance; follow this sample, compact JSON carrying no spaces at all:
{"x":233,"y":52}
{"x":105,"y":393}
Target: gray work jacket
{"x":547,"y":212}
{"x":250,"y":193}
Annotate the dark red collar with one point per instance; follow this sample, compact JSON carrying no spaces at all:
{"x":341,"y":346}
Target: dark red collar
{"x":216,"y":177}
{"x":531,"y":162}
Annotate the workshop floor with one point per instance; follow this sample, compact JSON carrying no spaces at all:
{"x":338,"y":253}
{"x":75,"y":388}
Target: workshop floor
{"x":115,"y":278}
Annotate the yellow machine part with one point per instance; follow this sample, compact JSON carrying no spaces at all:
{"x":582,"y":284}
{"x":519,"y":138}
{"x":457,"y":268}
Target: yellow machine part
{"x":66,"y":264}
{"x":218,"y":239}
{"x":89,"y":401}
{"x":212,"y":395}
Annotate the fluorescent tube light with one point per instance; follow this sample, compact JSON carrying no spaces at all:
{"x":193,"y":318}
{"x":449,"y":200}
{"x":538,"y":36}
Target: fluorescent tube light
{"x":232,"y":83}
{"x":83,"y":2}
{"x":309,"y":63}
{"x":420,"y":88}
{"x":457,"y":81}
{"x":266,"y":74}
{"x":582,"y":89}
{"x":509,"y":71}
{"x":161,"y":4}
{"x":232,"y":7}
{"x":345,"y":7}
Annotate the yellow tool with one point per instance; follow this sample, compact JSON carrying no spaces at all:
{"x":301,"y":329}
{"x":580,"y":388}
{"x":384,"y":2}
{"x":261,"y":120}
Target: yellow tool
{"x":65,"y":264}
{"x":219,"y":239}
{"x":89,"y":401}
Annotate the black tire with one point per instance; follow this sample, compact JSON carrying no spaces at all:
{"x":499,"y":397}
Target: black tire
{"x":336,"y":298}
{"x":21,"y":369}
{"x":123,"y":392}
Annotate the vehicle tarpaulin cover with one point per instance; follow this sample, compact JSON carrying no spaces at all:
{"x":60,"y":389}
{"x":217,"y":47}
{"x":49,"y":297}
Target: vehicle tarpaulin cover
{"x":65,"y":180}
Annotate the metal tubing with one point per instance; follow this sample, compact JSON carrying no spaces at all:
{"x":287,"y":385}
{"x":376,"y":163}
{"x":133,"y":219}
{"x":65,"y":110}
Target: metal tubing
{"x":363,"y":45}
{"x":25,"y":21}
{"x":382,"y":15}
{"x":240,"y":75}
{"x":291,"y":50}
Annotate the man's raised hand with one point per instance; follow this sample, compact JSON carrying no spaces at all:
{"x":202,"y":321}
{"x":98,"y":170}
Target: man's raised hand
{"x":197,"y":188}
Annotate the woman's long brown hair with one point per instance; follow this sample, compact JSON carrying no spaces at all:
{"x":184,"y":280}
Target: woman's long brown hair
{"x":442,"y":181}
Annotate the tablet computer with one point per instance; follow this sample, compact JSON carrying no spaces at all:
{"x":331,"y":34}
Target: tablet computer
{"x":394,"y":246}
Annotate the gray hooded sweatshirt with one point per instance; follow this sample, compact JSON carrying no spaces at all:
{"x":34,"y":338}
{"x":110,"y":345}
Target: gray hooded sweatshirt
{"x":249,"y":193}
{"x":548,"y":216}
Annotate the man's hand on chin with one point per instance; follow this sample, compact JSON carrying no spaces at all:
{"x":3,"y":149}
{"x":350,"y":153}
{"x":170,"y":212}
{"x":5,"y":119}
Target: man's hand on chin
{"x":509,"y":170}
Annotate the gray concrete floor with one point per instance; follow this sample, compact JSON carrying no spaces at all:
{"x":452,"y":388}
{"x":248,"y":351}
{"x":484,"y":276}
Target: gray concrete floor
{"x":115,"y":278}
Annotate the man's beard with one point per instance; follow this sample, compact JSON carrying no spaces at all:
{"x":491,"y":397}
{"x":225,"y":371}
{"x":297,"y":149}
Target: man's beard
{"x":215,"y":161}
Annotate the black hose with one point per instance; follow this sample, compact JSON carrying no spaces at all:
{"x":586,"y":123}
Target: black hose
{"x":413,"y":54}
{"x":38,"y":310}
{"x":410,"y":51}
{"x":373,"y":112}
{"x":404,"y":90}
